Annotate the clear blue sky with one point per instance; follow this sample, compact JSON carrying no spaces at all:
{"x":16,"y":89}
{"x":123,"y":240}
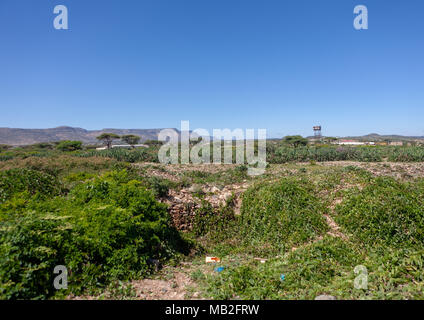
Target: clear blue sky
{"x":280,"y":65}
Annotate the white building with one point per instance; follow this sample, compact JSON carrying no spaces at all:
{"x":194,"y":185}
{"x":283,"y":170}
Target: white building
{"x":124,"y":146}
{"x":354,"y":143}
{"x":350,"y":143}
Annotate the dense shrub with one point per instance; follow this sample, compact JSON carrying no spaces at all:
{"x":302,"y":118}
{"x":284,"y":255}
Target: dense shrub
{"x":282,"y":214}
{"x":406,"y":154}
{"x":23,"y":180}
{"x":386,"y":211}
{"x":159,"y":186}
{"x":31,"y":246}
{"x":106,"y":229}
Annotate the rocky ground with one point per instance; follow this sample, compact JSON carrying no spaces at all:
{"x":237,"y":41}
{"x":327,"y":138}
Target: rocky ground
{"x":400,"y":170}
{"x":172,"y":284}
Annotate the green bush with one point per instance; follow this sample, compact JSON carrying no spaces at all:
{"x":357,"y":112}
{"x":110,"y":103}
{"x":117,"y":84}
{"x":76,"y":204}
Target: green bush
{"x":23,"y":180}
{"x":407,"y":154}
{"x":385,"y":211}
{"x":31,"y":246}
{"x":159,"y":186}
{"x":282,"y":214}
{"x":106,"y":229}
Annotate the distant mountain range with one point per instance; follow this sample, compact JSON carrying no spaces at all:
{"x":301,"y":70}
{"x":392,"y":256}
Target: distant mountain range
{"x":377,"y":137}
{"x":392,"y":137}
{"x":19,"y":137}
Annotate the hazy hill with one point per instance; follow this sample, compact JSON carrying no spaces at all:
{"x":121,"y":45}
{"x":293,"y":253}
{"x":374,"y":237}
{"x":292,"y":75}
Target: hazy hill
{"x":17,"y":137}
{"x":378,"y":137}
{"x":13,"y":136}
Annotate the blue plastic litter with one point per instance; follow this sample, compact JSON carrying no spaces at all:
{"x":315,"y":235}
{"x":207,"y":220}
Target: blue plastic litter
{"x":219,"y":269}
{"x":282,"y":277}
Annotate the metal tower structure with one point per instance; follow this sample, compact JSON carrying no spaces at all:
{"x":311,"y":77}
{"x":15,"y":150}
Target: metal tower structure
{"x":317,"y":131}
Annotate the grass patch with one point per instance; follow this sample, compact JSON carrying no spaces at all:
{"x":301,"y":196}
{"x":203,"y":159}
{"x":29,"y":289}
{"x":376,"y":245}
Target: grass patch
{"x":386,"y":211}
{"x":307,"y":272}
{"x":276,"y":216}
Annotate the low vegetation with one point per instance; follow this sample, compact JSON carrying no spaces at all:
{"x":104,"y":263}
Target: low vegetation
{"x":291,"y":149}
{"x":284,"y":214}
{"x":386,"y":212}
{"x":298,"y":231}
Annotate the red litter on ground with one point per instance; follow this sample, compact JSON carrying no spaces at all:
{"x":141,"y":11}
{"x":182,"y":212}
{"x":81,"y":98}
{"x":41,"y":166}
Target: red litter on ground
{"x":212,"y":260}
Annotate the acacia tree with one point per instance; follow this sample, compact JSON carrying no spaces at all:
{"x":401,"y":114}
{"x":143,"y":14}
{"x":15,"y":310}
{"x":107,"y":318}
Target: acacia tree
{"x":67,"y":145}
{"x":330,"y":139}
{"x":131,"y":139}
{"x":295,"y":141}
{"x":107,"y":138}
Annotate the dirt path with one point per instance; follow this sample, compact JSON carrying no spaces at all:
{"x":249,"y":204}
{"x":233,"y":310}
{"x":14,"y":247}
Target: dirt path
{"x":173,"y":284}
{"x":335,"y":228}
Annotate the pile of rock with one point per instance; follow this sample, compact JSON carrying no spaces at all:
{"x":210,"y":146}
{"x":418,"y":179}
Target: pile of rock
{"x":182,"y":208}
{"x":184,"y":204}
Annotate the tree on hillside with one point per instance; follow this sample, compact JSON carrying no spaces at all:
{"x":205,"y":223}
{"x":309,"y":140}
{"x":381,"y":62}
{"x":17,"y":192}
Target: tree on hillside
{"x":131,"y":139}
{"x":295,"y":141}
{"x":107,"y":138}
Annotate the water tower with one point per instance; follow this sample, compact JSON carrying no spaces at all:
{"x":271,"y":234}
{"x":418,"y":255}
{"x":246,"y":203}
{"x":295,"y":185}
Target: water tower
{"x":317,"y":131}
